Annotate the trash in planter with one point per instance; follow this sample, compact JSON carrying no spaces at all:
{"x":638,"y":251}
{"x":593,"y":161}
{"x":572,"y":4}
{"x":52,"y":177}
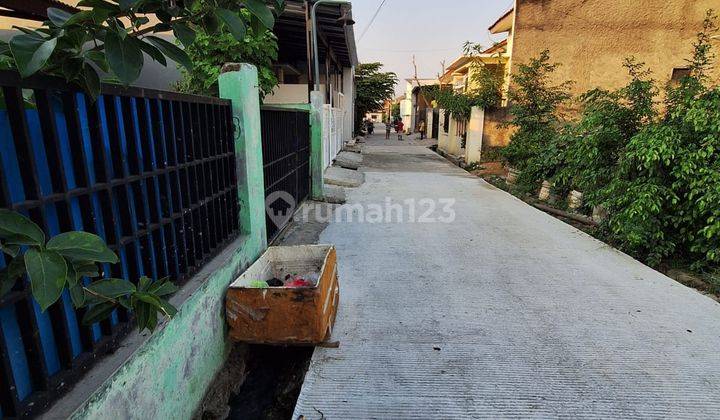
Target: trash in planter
{"x":257,"y":284}
{"x":275,"y":282}
{"x":302,"y":311}
{"x":308,"y":280}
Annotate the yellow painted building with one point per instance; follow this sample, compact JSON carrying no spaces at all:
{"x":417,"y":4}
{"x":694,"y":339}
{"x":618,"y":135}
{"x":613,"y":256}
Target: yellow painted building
{"x":590,"y":39}
{"x":462,"y":138}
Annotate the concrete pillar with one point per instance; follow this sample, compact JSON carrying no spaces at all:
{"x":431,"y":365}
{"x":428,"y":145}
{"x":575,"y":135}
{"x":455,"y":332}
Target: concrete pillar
{"x":473,"y":145}
{"x":453,"y":145}
{"x":429,"y":122}
{"x":239,"y":83}
{"x":406,"y":114}
{"x":317,"y":100}
{"x":349,"y":92}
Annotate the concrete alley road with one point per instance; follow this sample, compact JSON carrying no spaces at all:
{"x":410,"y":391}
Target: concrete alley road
{"x":505,"y":312}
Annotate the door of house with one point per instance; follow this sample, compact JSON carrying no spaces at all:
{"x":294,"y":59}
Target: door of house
{"x":435,"y":123}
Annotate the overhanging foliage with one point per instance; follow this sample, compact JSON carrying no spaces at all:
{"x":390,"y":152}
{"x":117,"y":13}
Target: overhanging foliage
{"x":111,"y":36}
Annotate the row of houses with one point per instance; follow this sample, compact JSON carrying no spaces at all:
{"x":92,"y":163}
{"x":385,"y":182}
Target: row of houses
{"x":180,"y":186}
{"x":590,"y":39}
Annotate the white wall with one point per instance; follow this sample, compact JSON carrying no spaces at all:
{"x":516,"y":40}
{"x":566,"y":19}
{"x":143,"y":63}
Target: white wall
{"x":429,"y":122}
{"x":289,"y":94}
{"x":406,"y":112}
{"x":349,"y":93}
{"x":473,"y":144}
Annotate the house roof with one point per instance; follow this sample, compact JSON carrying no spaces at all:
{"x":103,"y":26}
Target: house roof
{"x":290,"y":29}
{"x":503,"y":24}
{"x":422,"y":82}
{"x":499,"y":47}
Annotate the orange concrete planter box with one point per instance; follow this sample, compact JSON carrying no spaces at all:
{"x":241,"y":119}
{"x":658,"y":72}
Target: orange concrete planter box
{"x":280,"y":315}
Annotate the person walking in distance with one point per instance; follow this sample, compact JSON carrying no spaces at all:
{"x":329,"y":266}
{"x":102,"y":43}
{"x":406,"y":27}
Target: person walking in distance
{"x":421,"y":128}
{"x":388,"y":129}
{"x":399,"y":127}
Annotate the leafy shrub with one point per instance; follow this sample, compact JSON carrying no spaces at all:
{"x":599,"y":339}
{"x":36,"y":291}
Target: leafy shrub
{"x":112,"y":37}
{"x":64,"y":261}
{"x":534,"y":102}
{"x":593,"y":146}
{"x":665,"y":199}
{"x":657,"y":175}
{"x":210,"y":51}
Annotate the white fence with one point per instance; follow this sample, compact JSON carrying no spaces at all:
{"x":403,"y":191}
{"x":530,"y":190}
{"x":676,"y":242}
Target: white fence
{"x":333,"y":130}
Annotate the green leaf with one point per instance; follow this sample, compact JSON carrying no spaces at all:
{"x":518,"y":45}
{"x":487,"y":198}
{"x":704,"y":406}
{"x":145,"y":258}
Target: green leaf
{"x":80,"y":17}
{"x":72,"y":275}
{"x":82,"y":246}
{"x":98,"y":312}
{"x":163,"y":288}
{"x":126,"y":4}
{"x":19,"y":229}
{"x":167,"y":308}
{"x":111,"y":288}
{"x":98,"y":58}
{"x":153,"y":52}
{"x":58,"y":16}
{"x":10,"y":274}
{"x":124,"y":301}
{"x":31,"y":52}
{"x":124,"y":57}
{"x":144,"y":283}
{"x":171,"y":50}
{"x":235,"y":25}
{"x":86,"y":269}
{"x":260,"y":10}
{"x":142,"y":314}
{"x":91,"y":81}
{"x":10,"y":249}
{"x":210,"y":23}
{"x":160,"y":304}
{"x":184,"y":33}
{"x":77,"y":294}
{"x":47,"y":271}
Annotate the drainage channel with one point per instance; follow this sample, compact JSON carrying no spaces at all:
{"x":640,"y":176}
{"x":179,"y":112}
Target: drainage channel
{"x":257,"y":382}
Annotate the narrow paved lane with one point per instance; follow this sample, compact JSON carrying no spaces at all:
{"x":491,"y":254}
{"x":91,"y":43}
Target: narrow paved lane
{"x":505,"y":312}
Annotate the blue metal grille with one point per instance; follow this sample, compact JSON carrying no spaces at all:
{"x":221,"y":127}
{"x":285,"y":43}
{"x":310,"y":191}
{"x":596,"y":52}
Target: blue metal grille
{"x":151,"y":172}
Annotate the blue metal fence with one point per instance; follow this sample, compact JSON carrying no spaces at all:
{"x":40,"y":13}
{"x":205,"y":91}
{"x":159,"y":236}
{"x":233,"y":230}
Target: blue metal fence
{"x":151,"y":172}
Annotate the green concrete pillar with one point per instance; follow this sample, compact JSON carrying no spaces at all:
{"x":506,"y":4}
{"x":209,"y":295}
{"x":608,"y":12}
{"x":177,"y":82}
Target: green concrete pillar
{"x":317,"y":99}
{"x":239,"y":83}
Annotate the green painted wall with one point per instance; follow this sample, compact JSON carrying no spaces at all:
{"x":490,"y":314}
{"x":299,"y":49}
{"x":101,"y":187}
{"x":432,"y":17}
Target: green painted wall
{"x":167,"y":377}
{"x":317,"y":168}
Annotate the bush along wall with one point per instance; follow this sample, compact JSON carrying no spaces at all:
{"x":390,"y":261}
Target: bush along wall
{"x":655,"y":167}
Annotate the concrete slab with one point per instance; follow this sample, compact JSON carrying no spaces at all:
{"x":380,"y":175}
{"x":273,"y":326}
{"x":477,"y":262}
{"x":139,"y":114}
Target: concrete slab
{"x":343,"y":177}
{"x":334,"y":194}
{"x":348,"y":160}
{"x":505,"y":312}
{"x":352,"y":148}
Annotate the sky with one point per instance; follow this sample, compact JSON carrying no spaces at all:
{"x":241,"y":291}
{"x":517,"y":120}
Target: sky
{"x":433,"y":30}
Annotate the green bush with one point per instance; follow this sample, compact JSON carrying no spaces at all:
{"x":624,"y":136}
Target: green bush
{"x":590,"y":150}
{"x":665,"y":198}
{"x":484,"y":88}
{"x":657,"y":174}
{"x":64,"y":261}
{"x":209,"y":51}
{"x":534,"y":103}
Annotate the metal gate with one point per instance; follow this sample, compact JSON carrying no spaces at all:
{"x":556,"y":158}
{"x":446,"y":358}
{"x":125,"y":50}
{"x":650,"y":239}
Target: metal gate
{"x":436,"y":123}
{"x":286,"y":164}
